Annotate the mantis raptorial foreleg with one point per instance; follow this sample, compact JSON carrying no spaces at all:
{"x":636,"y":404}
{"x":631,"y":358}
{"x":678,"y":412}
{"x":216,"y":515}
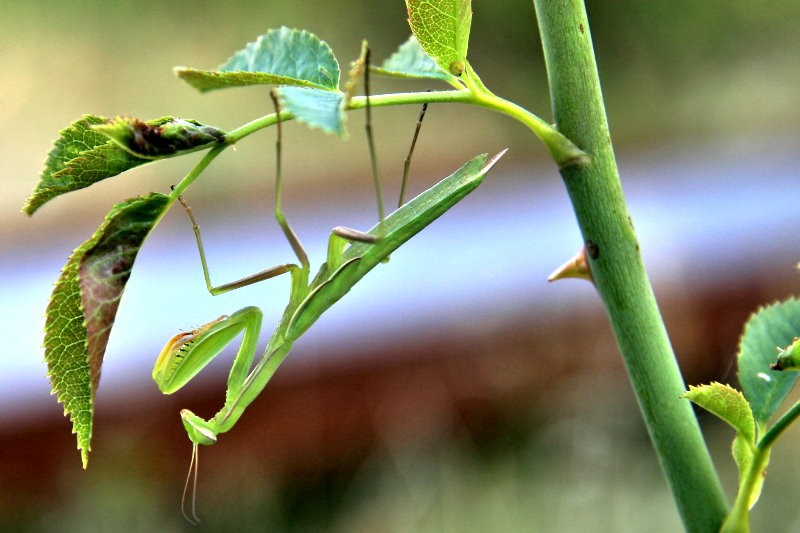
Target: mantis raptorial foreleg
{"x":188,"y":353}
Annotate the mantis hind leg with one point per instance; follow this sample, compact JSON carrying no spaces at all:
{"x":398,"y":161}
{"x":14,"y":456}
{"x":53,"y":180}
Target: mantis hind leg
{"x":340,"y":235}
{"x":373,"y":158}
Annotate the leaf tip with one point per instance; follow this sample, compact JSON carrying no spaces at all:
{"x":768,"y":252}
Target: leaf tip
{"x":28,"y":208}
{"x":493,"y":161}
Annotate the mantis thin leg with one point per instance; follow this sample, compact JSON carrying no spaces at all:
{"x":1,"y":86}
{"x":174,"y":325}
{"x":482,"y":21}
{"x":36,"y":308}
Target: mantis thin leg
{"x":407,"y":162}
{"x":191,"y":475}
{"x":371,"y":141}
{"x":349,"y":234}
{"x":247,"y":280}
{"x":291,"y":236}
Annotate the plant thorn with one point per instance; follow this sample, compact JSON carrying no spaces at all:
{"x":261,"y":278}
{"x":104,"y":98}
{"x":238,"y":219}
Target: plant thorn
{"x":575,"y":267}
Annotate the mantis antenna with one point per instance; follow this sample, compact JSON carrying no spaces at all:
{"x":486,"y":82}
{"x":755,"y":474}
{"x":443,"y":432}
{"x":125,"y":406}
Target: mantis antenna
{"x":191,"y":475}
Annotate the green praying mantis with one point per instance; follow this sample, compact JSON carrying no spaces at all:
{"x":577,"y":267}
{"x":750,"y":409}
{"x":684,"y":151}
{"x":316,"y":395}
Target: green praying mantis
{"x":350,"y":255}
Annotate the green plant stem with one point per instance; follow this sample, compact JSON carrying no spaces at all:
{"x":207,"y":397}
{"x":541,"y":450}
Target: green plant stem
{"x":359,"y":102}
{"x":738,"y":519}
{"x":617,"y":268}
{"x":196,"y":171}
{"x":780,"y":426}
{"x":562,"y":150}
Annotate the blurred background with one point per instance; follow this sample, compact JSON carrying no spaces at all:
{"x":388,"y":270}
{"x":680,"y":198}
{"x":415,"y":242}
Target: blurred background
{"x":454,"y":389}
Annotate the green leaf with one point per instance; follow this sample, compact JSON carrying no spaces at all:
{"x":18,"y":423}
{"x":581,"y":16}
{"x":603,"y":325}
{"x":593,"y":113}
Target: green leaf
{"x":279,"y":57}
{"x":84,"y":303}
{"x":411,"y":61}
{"x":316,"y":108}
{"x":80,"y":157}
{"x":728,"y":404}
{"x":160,"y":138}
{"x":731,"y":406}
{"x":442,"y":29}
{"x":770,"y":327}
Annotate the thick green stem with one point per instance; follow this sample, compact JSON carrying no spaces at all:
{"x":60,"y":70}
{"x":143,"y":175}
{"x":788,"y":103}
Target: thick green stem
{"x":619,"y":275}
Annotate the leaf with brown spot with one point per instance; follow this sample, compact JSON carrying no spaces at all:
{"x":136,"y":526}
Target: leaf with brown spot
{"x":80,"y":157}
{"x":160,"y":138}
{"x":84,"y":303}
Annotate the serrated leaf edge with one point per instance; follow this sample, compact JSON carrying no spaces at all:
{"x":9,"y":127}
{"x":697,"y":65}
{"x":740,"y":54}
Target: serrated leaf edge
{"x":275,"y":79}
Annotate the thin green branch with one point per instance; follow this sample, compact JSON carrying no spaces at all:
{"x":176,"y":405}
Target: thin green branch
{"x":780,"y":426}
{"x":196,"y":171}
{"x":564,"y":152}
{"x":359,"y":102}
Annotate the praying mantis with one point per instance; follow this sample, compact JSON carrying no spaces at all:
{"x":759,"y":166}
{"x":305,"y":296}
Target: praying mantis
{"x":350,"y":255}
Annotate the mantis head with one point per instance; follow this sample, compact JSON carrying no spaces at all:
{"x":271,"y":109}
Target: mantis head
{"x":199,"y":430}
